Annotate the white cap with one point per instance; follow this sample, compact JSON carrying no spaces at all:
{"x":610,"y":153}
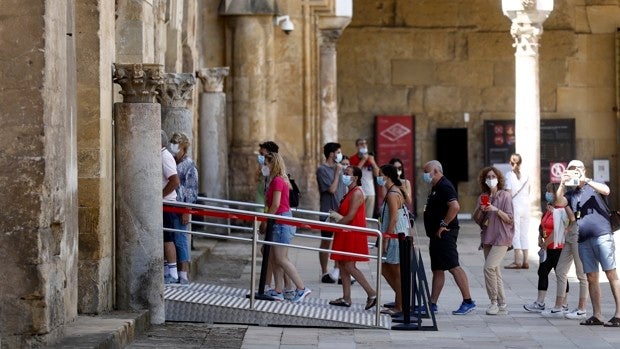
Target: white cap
{"x":575,"y":163}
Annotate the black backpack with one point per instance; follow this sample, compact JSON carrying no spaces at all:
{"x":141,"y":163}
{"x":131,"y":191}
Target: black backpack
{"x":294,"y":195}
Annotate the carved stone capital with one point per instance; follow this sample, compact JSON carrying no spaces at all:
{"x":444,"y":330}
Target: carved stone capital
{"x":526,"y":37}
{"x":138,"y":81}
{"x":176,"y":90}
{"x":213,"y":78}
{"x":328,"y":39}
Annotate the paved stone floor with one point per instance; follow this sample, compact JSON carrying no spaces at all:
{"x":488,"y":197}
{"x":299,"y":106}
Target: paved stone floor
{"x":518,"y":329}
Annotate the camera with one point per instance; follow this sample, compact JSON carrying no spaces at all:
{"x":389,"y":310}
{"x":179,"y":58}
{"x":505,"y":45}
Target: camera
{"x":285,"y":24}
{"x":573,"y":181}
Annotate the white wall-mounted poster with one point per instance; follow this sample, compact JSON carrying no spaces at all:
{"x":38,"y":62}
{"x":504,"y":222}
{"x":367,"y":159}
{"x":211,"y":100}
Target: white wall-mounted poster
{"x":600,"y":170}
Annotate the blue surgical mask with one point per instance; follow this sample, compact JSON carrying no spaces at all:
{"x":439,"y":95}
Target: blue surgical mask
{"x":427,"y":177}
{"x":261,"y":159}
{"x":549,"y":197}
{"x":346,"y":180}
{"x":338,"y":157}
{"x":380,"y":181}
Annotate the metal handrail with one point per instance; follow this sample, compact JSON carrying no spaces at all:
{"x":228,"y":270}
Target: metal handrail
{"x":225,"y":212}
{"x":372,"y":221}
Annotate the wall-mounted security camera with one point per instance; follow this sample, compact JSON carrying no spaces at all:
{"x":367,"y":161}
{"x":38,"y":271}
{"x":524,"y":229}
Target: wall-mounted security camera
{"x":285,"y":24}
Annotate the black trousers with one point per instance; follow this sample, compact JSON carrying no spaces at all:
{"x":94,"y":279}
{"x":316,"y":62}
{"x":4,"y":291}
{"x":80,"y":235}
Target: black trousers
{"x":553,"y":256}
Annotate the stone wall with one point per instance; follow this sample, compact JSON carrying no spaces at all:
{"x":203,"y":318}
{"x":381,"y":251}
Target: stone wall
{"x":39,"y":216}
{"x":440,"y":59}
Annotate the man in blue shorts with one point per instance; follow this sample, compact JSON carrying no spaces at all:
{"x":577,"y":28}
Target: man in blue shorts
{"x":596,"y":241}
{"x":442,"y":228}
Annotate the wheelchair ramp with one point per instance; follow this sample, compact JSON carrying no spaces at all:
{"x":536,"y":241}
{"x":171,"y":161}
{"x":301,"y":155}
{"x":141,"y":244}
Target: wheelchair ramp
{"x":221,"y":304}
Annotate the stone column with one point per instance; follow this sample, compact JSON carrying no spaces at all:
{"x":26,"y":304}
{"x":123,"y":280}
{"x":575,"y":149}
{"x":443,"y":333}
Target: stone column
{"x":328,"y":85}
{"x":253,"y":75}
{"x":213,"y":133}
{"x":139,"y":224}
{"x":527,"y":18}
{"x":173,"y":95}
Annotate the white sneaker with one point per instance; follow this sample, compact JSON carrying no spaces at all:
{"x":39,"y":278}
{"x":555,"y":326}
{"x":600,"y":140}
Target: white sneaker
{"x":493,"y":309}
{"x":555,"y":312}
{"x":535,"y":307}
{"x":576,"y":314}
{"x":502,"y":310}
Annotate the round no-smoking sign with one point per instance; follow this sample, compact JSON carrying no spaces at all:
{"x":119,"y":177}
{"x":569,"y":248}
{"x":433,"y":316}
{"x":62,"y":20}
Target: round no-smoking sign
{"x":555,"y":171}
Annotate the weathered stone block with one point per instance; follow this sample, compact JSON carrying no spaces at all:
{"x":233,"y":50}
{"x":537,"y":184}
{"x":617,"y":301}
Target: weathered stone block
{"x":484,"y":46}
{"x":413,"y":72}
{"x":573,"y":100}
{"x":465,"y":73}
{"x":590,"y":73}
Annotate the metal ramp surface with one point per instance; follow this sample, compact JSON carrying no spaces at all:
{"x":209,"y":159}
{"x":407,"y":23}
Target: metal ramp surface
{"x":222,"y":304}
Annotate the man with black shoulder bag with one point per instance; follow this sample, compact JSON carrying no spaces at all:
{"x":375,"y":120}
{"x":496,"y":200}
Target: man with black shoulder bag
{"x":596,"y":243}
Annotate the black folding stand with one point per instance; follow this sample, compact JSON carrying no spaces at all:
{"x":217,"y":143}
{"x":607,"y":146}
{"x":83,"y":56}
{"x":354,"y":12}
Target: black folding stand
{"x":411,"y":263}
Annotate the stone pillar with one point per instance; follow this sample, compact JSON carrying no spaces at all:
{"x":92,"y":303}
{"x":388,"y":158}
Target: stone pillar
{"x":527,"y":17}
{"x":174,"y":21}
{"x":213,"y":132}
{"x":39,"y":217}
{"x":173,"y":95}
{"x":95,"y":33}
{"x":139,"y":223}
{"x":135,"y":31}
{"x":253,"y":83}
{"x":328,"y":85}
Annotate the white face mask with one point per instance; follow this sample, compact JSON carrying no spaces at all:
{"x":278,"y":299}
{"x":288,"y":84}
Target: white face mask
{"x":265,"y":171}
{"x":399,"y":172}
{"x":491,"y":183}
{"x":363,"y":150}
{"x":174,"y":148}
{"x":338,"y":157}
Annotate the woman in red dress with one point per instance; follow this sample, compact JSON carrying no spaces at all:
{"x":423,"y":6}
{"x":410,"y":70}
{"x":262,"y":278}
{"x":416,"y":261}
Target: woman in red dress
{"x":352,"y":212}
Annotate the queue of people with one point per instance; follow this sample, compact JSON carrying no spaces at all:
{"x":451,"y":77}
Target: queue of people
{"x":575,"y":229}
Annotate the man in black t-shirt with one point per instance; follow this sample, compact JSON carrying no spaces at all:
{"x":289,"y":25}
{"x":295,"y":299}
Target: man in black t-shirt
{"x":442,"y":227}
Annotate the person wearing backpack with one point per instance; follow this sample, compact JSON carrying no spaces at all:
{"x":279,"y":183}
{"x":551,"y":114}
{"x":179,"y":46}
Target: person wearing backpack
{"x":596,"y":240}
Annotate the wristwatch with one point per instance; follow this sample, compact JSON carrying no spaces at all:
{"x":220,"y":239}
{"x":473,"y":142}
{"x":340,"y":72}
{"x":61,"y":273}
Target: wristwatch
{"x":443,"y":224}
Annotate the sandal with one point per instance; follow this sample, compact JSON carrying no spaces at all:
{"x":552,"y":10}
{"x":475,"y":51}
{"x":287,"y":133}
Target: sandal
{"x":512,"y":266}
{"x":525,"y":266}
{"x":340,"y":302}
{"x":613,"y":322}
{"x":592,"y":321}
{"x":370,"y":302}
{"x":391,"y":312}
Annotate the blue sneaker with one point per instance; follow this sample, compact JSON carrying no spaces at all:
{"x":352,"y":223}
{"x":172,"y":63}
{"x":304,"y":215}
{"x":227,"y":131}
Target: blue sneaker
{"x":278,"y":297}
{"x":300,"y":295}
{"x":465,"y":308}
{"x":422,"y":309}
{"x":169,"y":280}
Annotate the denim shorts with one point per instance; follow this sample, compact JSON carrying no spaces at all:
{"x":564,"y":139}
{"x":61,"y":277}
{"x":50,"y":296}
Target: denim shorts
{"x":600,"y":249}
{"x":182,"y":245}
{"x":283,"y":233}
{"x":392,"y":256}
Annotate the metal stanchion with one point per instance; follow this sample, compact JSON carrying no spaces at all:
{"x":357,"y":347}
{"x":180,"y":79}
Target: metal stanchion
{"x":404,"y":244}
{"x":260,"y":293}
